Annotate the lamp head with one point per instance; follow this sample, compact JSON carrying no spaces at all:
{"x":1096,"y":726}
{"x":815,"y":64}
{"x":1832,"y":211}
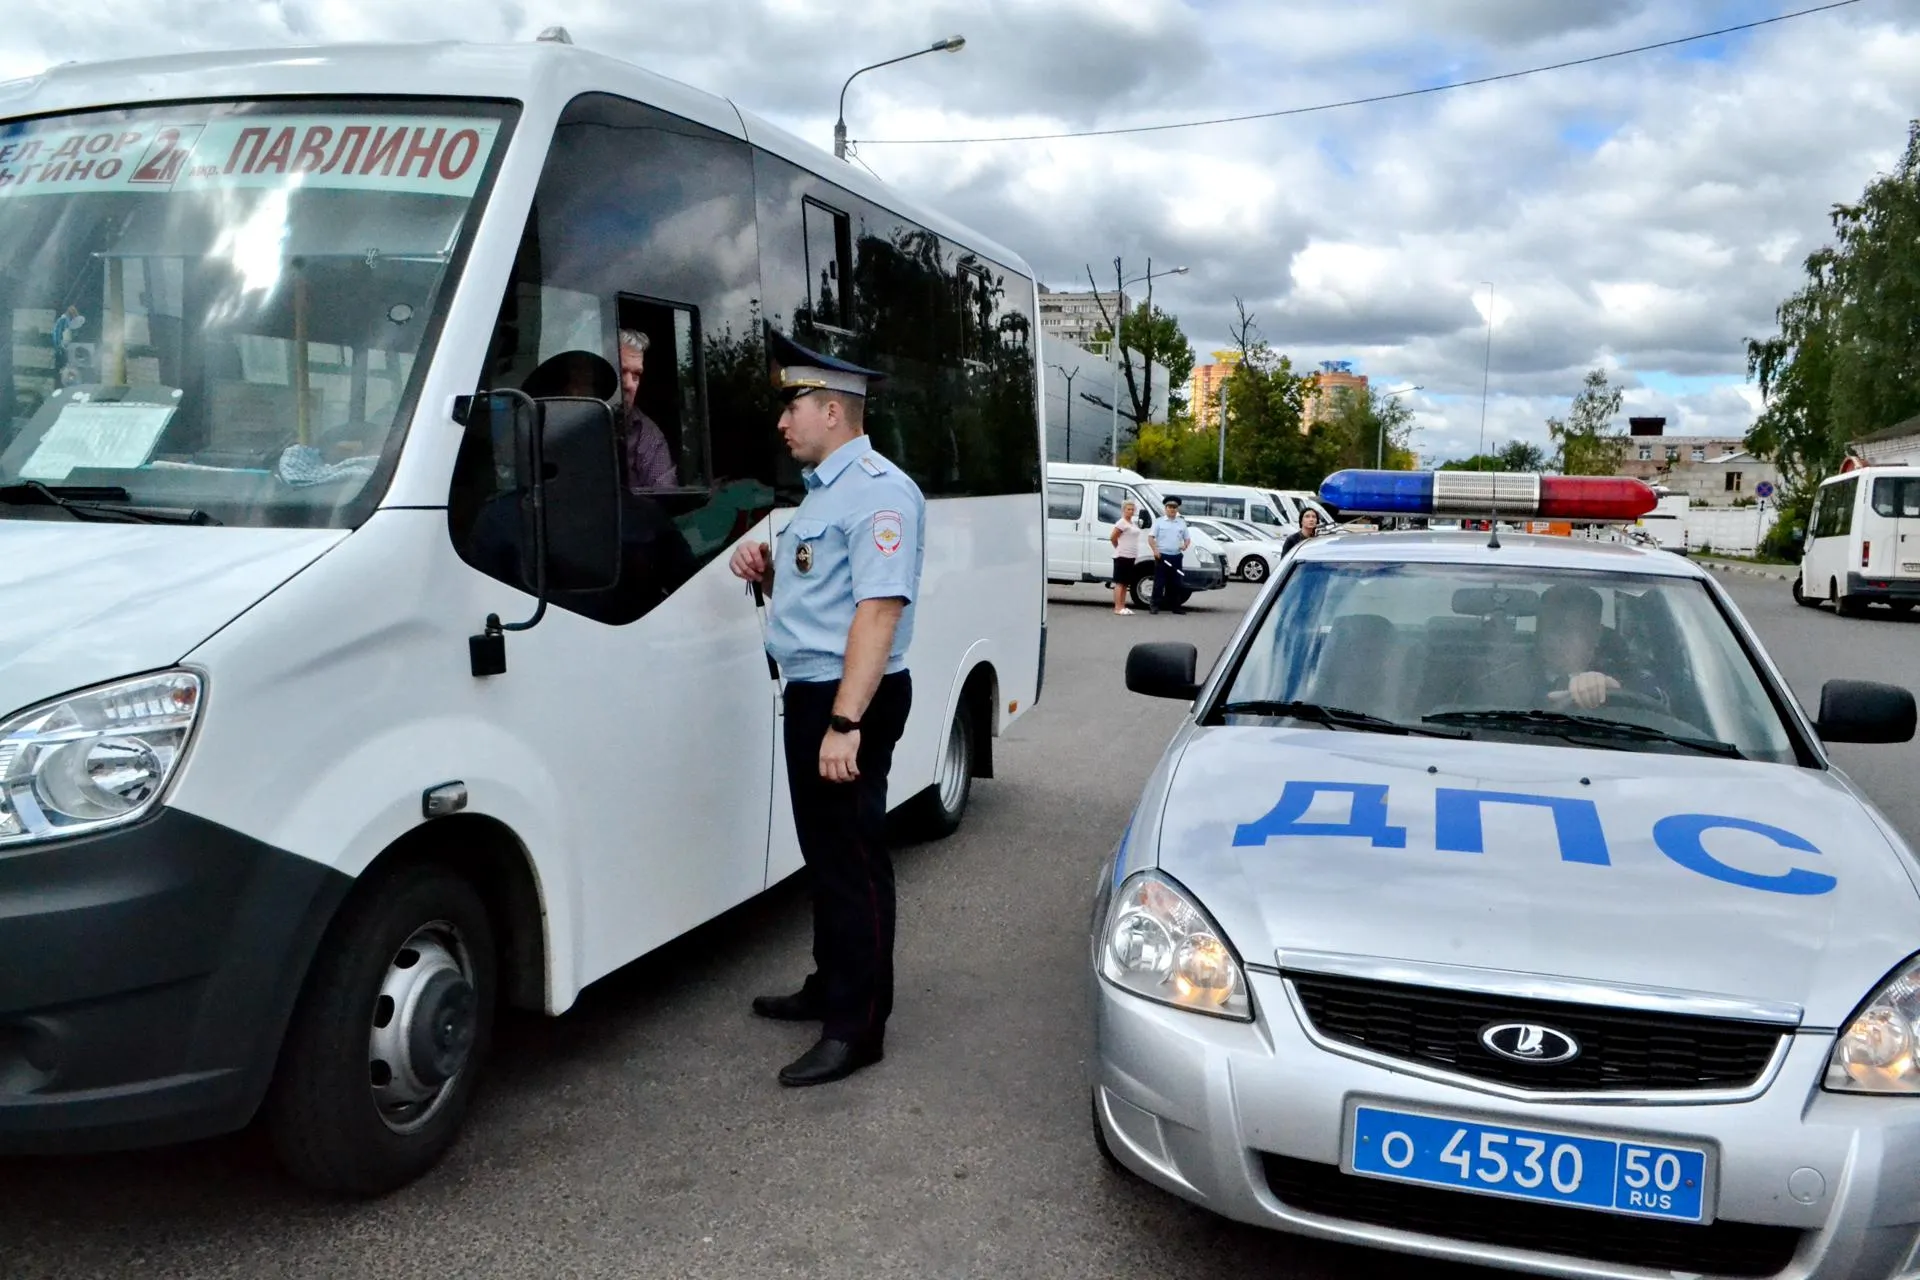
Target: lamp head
{"x":952,"y":44}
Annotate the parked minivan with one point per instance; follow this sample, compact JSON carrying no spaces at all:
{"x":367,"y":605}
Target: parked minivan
{"x":1863,"y":541}
{"x":1083,"y":503}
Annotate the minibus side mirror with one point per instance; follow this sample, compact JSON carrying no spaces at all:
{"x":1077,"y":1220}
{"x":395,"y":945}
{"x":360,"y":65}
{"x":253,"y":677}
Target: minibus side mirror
{"x":1865,"y":711}
{"x":557,"y":466}
{"x":580,"y":486}
{"x":1163,"y":670}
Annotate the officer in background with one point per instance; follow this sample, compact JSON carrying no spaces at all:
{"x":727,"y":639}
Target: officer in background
{"x":1171,"y":538}
{"x":842,"y":586}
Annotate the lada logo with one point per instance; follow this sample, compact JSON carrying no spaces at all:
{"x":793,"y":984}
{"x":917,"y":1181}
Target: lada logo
{"x":1529,"y":1042}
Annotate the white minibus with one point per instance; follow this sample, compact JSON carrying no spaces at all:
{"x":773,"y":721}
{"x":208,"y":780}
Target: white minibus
{"x":1862,"y":542}
{"x":365,"y":663}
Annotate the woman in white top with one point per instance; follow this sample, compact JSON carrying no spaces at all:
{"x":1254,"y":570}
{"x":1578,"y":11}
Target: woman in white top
{"x":1129,"y":545}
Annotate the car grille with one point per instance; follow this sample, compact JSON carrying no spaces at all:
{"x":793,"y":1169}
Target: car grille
{"x":1717,"y":1248}
{"x":1620,"y":1049}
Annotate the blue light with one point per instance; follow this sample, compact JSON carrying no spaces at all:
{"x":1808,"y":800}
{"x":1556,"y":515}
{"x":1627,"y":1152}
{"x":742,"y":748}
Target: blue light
{"x":1379,"y":492}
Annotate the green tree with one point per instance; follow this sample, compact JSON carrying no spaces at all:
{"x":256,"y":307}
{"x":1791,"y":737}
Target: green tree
{"x":1371,"y":429}
{"x":1173,"y":450}
{"x":1585,"y":443}
{"x":1159,"y":338}
{"x":1845,"y":359}
{"x":1518,"y":455}
{"x":1265,"y":409}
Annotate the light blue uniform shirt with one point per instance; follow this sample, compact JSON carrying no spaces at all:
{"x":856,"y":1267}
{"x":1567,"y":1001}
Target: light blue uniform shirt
{"x":1169,"y":534}
{"x":859,"y":534}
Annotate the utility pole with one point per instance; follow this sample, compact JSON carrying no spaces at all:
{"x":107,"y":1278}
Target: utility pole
{"x":1486,"y":375}
{"x":1220,"y":475}
{"x":1113,"y":351}
{"x":1069,"y":375}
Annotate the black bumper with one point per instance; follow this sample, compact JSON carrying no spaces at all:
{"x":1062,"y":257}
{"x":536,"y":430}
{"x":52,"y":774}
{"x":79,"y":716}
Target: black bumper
{"x":1882,"y":590}
{"x":146,"y":979}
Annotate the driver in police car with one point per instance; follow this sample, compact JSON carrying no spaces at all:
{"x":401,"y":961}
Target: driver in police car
{"x":1567,"y":640}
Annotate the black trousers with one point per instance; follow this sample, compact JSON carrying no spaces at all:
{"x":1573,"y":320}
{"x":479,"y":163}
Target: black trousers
{"x":1166,"y":581}
{"x":843,"y":837}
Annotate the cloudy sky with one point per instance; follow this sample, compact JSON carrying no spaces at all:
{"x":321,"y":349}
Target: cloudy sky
{"x":1645,"y":214}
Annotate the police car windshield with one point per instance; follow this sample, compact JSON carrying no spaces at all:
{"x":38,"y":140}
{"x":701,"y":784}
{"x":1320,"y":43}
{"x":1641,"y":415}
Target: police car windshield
{"x":220,"y":307}
{"x":1551,"y":656}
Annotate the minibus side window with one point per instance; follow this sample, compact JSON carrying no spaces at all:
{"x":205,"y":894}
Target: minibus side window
{"x":640,"y":256}
{"x":1065,"y":500}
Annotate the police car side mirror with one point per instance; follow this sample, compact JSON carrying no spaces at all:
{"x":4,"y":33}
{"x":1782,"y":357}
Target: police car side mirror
{"x":1865,"y":711}
{"x":1163,"y":670}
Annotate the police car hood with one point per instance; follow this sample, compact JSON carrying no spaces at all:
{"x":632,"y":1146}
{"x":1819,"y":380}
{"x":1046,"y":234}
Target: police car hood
{"x":1692,"y":873}
{"x":85,"y":603}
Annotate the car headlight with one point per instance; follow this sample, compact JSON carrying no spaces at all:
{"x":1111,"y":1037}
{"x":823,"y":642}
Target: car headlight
{"x":1208,"y":558}
{"x":1161,"y":945}
{"x":94,"y":758}
{"x":1876,"y":1051}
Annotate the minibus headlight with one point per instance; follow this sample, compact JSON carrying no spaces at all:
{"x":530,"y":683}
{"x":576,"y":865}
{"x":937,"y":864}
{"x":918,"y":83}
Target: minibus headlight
{"x":94,"y":758}
{"x":1158,"y":943}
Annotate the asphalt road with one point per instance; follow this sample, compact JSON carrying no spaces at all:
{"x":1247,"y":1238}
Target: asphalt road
{"x":644,"y":1135}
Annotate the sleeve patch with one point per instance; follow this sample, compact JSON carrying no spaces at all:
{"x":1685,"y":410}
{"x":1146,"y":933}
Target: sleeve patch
{"x":887,"y":535}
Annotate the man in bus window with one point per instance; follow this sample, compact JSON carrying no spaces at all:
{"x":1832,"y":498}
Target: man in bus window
{"x":839,"y":622}
{"x":649,"y":460}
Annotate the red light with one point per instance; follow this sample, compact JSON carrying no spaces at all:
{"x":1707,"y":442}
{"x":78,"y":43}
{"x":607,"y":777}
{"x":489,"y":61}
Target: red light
{"x":1866,"y":552}
{"x":1595,"y":498}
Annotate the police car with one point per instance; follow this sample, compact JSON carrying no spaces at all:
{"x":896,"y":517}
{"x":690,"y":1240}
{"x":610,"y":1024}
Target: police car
{"x":1498,"y":902}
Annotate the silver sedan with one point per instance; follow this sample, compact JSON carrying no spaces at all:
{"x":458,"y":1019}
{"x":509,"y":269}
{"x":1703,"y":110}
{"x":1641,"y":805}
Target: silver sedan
{"x":1501,"y":904}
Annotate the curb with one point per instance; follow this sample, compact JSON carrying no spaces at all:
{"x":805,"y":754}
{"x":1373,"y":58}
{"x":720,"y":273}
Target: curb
{"x":1778,"y":572}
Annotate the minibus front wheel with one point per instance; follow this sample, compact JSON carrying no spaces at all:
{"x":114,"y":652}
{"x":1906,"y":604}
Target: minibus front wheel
{"x":381,"y":1059}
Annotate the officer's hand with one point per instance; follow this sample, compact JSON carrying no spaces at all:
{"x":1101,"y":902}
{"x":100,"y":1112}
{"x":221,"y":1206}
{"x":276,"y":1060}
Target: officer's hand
{"x":751,"y":560}
{"x":840,"y":756}
{"x":1587,"y":690}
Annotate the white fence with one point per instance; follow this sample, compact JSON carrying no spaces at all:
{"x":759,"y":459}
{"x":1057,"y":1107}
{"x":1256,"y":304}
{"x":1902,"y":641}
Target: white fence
{"x":1737,"y":530}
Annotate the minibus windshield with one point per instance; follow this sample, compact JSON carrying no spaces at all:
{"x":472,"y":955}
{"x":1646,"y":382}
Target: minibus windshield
{"x":223,"y":308}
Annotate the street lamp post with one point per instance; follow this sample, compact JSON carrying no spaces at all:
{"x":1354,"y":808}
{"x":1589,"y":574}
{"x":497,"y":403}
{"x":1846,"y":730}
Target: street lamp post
{"x":1069,"y":375}
{"x":952,"y":44}
{"x":1113,"y":343}
{"x":1380,"y":436}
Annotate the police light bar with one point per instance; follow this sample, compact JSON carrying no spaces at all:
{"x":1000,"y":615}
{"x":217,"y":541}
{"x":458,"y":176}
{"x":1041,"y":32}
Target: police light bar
{"x":1485,"y":494}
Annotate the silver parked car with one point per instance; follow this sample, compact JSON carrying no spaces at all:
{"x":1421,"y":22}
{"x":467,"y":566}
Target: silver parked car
{"x":1501,"y":904}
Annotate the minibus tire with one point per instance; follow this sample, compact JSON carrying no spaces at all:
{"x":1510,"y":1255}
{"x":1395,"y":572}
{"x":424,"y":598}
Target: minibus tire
{"x":936,"y":813}
{"x":1141,"y":589}
{"x":325,"y":1116}
{"x":1800,"y":597}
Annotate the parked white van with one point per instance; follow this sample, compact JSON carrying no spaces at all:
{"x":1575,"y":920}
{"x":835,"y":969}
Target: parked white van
{"x":1233,"y":502}
{"x":1863,"y":541}
{"x":1084,"y":501}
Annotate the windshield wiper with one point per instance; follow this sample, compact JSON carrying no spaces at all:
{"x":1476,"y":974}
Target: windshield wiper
{"x":1335,"y":717}
{"x":98,"y":502}
{"x":1573,"y":727}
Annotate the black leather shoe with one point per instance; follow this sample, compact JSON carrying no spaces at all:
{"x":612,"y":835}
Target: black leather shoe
{"x":829,"y":1060}
{"x":798,"y":1007}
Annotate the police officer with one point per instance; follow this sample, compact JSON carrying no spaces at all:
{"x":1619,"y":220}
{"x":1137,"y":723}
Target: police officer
{"x":842,"y":585}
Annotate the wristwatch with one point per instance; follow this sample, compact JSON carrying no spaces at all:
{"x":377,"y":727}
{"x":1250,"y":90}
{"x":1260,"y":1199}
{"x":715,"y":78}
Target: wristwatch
{"x":840,"y":724}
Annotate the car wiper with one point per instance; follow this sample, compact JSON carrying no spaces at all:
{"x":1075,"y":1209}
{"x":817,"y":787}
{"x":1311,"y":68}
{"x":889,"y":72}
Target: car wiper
{"x":1573,"y":727}
{"x":98,"y":502}
{"x":1336,"y":717}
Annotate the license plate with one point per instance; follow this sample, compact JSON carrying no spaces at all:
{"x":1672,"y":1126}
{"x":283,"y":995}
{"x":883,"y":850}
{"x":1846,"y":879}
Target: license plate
{"x":1614,"y":1175}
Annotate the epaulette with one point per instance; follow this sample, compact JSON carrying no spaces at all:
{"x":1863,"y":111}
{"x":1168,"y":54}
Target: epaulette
{"x":871,"y":465}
